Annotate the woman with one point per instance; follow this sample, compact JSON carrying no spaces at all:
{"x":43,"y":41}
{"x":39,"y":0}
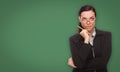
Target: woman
{"x":90,"y":47}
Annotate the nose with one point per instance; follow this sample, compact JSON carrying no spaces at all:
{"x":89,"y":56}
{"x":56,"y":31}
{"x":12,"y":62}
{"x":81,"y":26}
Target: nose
{"x":88,"y":22}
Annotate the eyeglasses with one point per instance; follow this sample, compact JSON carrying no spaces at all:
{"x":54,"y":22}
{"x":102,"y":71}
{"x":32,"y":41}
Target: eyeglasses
{"x":91,"y":19}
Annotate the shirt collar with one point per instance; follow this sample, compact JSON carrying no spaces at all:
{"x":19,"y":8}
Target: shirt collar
{"x":94,"y":33}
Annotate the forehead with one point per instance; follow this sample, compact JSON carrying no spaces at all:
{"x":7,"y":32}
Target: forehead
{"x":87,"y":14}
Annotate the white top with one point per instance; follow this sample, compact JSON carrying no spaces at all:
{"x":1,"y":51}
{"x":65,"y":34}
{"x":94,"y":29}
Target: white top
{"x":92,"y":37}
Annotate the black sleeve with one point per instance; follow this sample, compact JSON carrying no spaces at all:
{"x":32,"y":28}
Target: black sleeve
{"x":80,"y":52}
{"x":101,"y":62}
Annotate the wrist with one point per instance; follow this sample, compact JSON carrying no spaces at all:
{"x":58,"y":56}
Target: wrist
{"x":86,"y":41}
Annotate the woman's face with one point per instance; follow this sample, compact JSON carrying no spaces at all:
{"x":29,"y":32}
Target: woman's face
{"x":87,"y":19}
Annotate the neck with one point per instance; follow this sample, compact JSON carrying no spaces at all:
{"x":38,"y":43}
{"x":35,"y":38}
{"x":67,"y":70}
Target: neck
{"x":91,"y":32}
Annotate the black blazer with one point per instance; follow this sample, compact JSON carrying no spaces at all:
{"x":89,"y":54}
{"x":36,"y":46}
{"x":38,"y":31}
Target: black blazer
{"x":82,"y":53}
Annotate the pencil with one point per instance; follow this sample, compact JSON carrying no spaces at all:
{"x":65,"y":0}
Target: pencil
{"x":80,"y":27}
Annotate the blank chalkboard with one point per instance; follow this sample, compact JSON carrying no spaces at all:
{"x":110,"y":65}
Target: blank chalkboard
{"x":34,"y":34}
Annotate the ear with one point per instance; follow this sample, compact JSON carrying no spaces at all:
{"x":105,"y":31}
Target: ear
{"x":79,"y":18}
{"x":95,"y":19}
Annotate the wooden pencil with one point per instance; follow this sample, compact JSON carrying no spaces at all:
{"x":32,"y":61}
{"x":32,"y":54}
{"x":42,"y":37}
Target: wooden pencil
{"x":80,"y":27}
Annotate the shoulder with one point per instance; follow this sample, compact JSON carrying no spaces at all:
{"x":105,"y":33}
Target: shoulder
{"x":76,"y":37}
{"x":102,"y":32}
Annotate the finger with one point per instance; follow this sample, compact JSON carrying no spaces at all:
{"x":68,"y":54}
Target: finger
{"x":70,"y":63}
{"x":74,"y":66}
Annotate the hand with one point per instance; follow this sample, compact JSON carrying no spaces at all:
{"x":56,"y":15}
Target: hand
{"x":85,"y":34}
{"x":70,"y":62}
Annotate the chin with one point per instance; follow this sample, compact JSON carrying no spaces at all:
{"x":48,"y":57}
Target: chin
{"x":89,"y":30}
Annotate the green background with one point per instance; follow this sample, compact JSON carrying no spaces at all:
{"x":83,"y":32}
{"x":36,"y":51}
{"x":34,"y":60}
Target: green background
{"x":34,"y":34}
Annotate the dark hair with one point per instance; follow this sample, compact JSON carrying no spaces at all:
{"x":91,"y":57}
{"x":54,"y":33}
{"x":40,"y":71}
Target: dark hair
{"x":85,"y":8}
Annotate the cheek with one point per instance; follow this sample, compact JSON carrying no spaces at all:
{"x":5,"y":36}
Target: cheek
{"x":93,"y":23}
{"x":83,"y":24}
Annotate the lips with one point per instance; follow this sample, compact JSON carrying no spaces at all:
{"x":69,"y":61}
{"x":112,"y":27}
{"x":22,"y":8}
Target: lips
{"x":88,"y":27}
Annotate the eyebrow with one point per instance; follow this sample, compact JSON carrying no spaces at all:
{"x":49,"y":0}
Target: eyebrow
{"x":90,"y":17}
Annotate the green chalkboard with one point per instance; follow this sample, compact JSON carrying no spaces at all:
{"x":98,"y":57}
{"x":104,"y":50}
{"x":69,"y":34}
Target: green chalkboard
{"x":34,"y":34}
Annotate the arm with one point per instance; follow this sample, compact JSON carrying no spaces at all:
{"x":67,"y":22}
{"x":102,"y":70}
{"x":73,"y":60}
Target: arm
{"x":80,"y":52}
{"x":95,"y":63}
